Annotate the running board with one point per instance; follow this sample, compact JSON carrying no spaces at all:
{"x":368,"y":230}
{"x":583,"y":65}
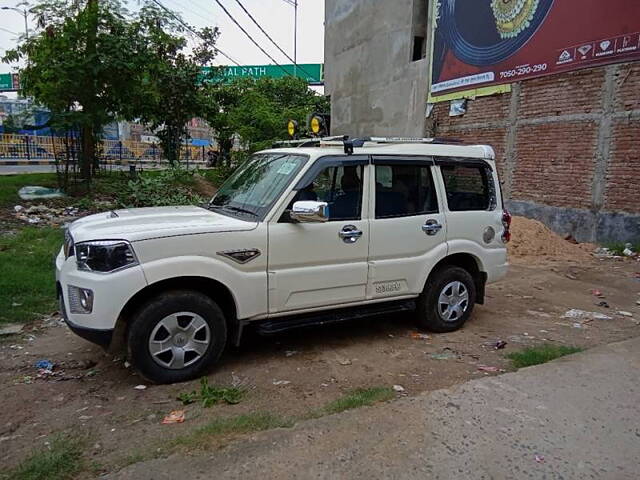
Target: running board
{"x":277,"y":325}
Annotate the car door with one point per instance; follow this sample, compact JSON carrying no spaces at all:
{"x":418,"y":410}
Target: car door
{"x":316,"y":265}
{"x":474,"y":221}
{"x":408,"y":228}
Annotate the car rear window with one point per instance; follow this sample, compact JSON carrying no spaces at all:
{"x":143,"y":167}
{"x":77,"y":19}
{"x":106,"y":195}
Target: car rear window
{"x":468,"y":187}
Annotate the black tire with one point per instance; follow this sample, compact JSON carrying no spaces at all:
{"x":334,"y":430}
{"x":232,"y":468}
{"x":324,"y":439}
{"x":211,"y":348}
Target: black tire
{"x":147,"y":318}
{"x":428,"y":314}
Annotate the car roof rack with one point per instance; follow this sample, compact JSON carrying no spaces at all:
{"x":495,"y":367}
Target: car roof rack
{"x":307,"y":142}
{"x":429,"y":140}
{"x":350,"y":144}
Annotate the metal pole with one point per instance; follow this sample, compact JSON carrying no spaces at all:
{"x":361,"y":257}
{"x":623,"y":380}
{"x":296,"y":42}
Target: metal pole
{"x":26,"y":22}
{"x":25,"y":14}
{"x":295,"y":38}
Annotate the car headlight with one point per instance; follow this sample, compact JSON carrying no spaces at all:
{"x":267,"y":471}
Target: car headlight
{"x":105,"y":255}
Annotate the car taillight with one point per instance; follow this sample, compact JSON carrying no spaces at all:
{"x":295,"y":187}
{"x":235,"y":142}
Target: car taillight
{"x":506,"y":223}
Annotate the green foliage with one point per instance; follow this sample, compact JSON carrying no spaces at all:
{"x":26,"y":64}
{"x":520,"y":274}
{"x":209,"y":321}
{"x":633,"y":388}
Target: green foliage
{"x":357,"y":398}
{"x":61,"y":460}
{"x":540,"y":354}
{"x":258,"y":109}
{"x":210,"y":395}
{"x":168,"y":91}
{"x":249,"y":423}
{"x":169,"y":187}
{"x":27,"y":283}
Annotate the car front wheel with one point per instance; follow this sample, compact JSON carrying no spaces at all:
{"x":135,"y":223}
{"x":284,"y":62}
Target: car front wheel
{"x":176,"y":336}
{"x":447,"y":300}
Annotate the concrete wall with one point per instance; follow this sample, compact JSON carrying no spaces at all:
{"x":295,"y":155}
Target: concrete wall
{"x":375,"y":87}
{"x":567,"y":147}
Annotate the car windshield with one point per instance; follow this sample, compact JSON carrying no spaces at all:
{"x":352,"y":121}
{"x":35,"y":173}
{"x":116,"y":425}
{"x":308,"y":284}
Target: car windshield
{"x":253,"y":189}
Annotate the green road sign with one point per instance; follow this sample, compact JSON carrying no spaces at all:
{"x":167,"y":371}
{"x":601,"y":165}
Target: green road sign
{"x":8,"y":81}
{"x":311,"y":72}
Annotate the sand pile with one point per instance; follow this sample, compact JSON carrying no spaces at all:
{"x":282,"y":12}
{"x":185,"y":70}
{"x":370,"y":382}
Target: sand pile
{"x":531,"y":238}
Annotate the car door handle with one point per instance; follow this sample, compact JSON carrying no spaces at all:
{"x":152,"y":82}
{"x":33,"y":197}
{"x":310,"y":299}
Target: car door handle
{"x":350,"y":234}
{"x":431,"y":227}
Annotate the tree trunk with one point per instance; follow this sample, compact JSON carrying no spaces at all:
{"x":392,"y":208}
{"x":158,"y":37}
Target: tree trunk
{"x":88,"y":152}
{"x":88,"y":135}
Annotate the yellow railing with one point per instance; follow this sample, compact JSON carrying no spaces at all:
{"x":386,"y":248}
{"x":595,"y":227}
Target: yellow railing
{"x":38,"y":148}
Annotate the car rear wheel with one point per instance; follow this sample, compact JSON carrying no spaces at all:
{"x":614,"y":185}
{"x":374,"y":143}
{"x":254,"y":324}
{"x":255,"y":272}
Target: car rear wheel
{"x":176,"y":336}
{"x":447,"y":300}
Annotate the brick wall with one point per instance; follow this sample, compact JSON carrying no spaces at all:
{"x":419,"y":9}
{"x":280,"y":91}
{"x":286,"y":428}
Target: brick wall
{"x":567,"y":141}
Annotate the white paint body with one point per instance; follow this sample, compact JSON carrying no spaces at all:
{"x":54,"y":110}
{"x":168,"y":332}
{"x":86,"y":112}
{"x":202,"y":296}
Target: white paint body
{"x":302,"y":267}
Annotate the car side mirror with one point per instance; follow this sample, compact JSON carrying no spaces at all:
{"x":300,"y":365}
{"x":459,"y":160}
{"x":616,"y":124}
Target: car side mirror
{"x":307,"y":211}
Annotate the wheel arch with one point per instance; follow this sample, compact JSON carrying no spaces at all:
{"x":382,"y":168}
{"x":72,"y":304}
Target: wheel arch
{"x":214,"y":289}
{"x":471,"y":264}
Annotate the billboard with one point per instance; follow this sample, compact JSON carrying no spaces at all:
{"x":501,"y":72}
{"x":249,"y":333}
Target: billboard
{"x":480,"y":43}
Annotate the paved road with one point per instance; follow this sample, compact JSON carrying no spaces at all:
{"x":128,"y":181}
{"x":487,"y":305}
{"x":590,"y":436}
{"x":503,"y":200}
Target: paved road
{"x":13,"y":169}
{"x":581,"y":413}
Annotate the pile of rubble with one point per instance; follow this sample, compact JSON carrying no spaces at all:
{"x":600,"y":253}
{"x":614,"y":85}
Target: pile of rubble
{"x":604,"y":252}
{"x":43,"y":215}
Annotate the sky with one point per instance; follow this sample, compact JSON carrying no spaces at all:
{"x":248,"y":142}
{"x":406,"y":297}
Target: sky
{"x":275,"y":16}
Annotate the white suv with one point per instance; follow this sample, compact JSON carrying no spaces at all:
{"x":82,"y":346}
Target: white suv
{"x":296,"y":237}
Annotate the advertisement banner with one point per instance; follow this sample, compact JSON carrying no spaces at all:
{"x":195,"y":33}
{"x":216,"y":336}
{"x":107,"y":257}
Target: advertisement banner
{"x":479,"y":43}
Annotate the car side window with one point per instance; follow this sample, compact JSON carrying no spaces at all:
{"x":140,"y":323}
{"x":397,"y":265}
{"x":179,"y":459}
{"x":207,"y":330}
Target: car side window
{"x":468,"y":188}
{"x":340,"y":187}
{"x":404,"y":190}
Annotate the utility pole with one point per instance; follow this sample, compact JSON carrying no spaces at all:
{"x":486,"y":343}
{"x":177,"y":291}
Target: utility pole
{"x":294,"y":4}
{"x":25,"y":13}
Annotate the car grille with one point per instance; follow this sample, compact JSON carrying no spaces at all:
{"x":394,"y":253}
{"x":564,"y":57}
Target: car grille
{"x":69,"y":247}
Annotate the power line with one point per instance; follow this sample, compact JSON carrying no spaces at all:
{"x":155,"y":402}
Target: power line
{"x":170,"y":12}
{"x":271,"y":39}
{"x":250,"y":37}
{"x":198,"y":14}
{"x":9,"y":31}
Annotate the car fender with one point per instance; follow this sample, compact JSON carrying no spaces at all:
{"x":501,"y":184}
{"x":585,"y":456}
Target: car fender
{"x":248,"y":288}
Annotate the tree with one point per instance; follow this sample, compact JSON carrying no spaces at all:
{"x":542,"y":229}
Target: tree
{"x":169,"y":83}
{"x":258,"y":109}
{"x":92,"y":61}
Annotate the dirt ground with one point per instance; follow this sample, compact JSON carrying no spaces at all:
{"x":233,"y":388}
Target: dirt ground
{"x":94,"y":396}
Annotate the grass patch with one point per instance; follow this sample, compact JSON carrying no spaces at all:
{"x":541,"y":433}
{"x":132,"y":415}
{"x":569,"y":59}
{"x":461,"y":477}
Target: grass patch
{"x":360,"y":397}
{"x":10,"y":184}
{"x":249,"y":423}
{"x":211,"y":395}
{"x":27,"y":278}
{"x":540,"y":354}
{"x":61,"y":461}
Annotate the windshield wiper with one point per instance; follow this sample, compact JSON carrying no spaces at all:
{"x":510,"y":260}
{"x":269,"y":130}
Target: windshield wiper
{"x":235,"y":209}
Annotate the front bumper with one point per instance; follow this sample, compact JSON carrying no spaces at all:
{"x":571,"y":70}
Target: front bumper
{"x":111,"y":293}
{"x":94,"y":335}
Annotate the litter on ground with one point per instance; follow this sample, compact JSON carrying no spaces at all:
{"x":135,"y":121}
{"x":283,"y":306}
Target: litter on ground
{"x":419,"y":336}
{"x":584,"y":315}
{"x":176,"y":416}
{"x":10,"y":329}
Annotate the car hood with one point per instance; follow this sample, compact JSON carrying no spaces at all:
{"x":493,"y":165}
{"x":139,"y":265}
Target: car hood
{"x":154,"y":222}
